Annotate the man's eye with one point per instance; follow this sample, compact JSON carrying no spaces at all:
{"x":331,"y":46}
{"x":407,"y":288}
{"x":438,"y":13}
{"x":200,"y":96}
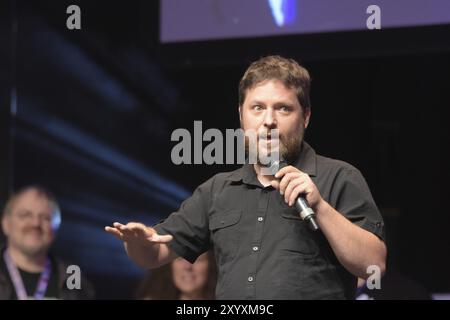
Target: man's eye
{"x":24,"y":215}
{"x":257,"y":107}
{"x":285,"y":108}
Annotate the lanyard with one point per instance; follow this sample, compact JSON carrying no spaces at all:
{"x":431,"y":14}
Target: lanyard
{"x":18,"y":283}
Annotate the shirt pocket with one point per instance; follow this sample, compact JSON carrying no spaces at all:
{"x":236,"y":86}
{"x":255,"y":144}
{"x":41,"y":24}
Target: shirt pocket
{"x":298,"y":238}
{"x":223,"y":227}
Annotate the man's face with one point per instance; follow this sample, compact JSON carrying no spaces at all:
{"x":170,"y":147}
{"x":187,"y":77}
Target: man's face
{"x":271,"y":105}
{"x":29,"y":224}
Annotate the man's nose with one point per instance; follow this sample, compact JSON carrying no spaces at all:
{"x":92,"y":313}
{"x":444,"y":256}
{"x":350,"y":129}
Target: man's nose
{"x":36,"y":221}
{"x":270,"y":119}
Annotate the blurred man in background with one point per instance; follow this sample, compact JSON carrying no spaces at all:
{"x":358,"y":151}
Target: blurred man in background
{"x":30,"y":221}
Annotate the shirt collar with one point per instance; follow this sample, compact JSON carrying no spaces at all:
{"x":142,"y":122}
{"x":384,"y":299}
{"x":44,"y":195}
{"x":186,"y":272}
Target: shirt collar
{"x":246,"y":174}
{"x":307,"y":161}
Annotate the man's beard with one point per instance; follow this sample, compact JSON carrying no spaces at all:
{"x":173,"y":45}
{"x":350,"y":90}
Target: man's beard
{"x":288,"y":148}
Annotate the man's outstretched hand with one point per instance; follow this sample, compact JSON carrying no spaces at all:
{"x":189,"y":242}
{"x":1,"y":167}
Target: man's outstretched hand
{"x":137,"y":233}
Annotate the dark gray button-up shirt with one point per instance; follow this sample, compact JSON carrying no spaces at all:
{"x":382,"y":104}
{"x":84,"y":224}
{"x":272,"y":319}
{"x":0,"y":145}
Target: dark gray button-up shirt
{"x":262,"y":247}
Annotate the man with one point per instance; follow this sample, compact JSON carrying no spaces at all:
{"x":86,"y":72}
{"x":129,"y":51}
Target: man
{"x":263,"y":248}
{"x":30,"y":221}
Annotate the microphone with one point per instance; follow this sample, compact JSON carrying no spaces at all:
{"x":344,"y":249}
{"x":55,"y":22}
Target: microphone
{"x":306,"y":213}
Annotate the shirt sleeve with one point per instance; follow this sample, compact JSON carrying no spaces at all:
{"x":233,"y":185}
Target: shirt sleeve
{"x":355,"y":202}
{"x":189,"y":225}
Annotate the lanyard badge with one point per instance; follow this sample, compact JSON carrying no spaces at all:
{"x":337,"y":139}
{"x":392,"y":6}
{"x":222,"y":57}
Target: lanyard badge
{"x":18,"y":283}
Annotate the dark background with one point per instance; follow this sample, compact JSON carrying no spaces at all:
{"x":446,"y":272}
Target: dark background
{"x":89,"y":114}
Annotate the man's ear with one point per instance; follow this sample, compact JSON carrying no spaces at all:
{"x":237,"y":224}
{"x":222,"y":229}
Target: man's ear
{"x":5,"y":224}
{"x":240,"y":114}
{"x":307,"y":116}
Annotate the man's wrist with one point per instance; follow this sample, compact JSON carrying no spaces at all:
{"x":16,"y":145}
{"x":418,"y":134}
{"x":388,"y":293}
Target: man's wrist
{"x":321,"y":208}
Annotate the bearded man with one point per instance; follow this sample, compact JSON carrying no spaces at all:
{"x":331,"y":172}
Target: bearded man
{"x":263,"y":247}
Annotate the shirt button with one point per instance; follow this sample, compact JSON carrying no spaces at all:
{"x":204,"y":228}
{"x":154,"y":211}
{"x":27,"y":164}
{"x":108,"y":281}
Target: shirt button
{"x":255,"y":248}
{"x":260,"y":219}
{"x":250,"y":279}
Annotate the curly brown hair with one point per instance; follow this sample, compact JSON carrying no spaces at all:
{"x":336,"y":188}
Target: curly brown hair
{"x":288,"y":71}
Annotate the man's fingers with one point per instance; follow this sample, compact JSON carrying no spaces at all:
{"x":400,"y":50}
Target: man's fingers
{"x":141,"y":230}
{"x":161,"y":238}
{"x":299,"y":189}
{"x":115,"y":232}
{"x":133,"y":231}
{"x":122,"y":232}
{"x":282,"y":172}
{"x":129,"y":228}
{"x":286,"y":180}
{"x":135,"y":225}
{"x":292,"y":185}
{"x":109,"y":229}
{"x":128,"y":233}
{"x":275,"y":184}
{"x":288,"y":188}
{"x":285,"y":170}
{"x":118,"y":225}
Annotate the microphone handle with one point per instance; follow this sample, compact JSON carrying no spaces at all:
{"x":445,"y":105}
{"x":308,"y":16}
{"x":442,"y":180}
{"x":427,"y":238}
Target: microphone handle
{"x":306,"y":213}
